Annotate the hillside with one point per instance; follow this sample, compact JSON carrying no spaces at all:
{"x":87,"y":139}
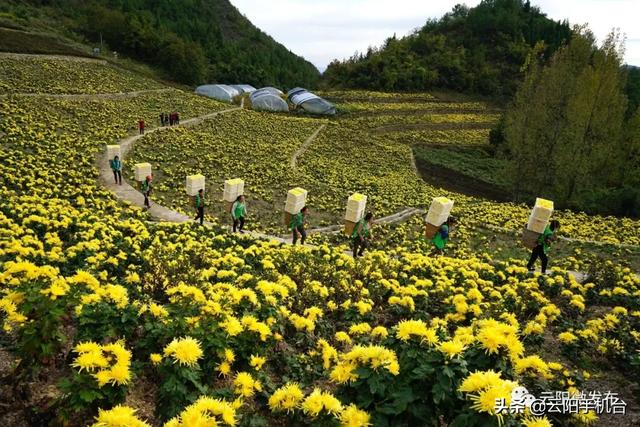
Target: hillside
{"x":193,"y":42}
{"x":477,"y":50}
{"x":117,"y":316}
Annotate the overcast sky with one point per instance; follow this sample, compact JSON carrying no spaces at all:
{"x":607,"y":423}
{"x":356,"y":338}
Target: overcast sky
{"x":322,"y":30}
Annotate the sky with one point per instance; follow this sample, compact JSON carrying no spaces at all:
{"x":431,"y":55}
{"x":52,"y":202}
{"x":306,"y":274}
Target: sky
{"x":323,"y":30}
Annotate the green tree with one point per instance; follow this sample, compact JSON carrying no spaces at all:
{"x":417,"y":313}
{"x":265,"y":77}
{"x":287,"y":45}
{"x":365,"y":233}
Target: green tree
{"x":564,"y":128}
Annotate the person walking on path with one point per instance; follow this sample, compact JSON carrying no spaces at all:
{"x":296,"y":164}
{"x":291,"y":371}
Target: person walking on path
{"x":116,"y":167}
{"x":297,"y":226}
{"x":177,"y":118}
{"x":361,"y":235}
{"x":441,"y":238}
{"x":544,"y":243}
{"x":238,"y":213}
{"x":200,"y":206}
{"x":146,"y":191}
{"x":141,"y":126}
{"x":161,"y":119}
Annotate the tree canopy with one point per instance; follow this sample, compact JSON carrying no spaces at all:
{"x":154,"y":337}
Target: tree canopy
{"x":566,"y":131}
{"x":193,"y":41}
{"x":480,"y":49}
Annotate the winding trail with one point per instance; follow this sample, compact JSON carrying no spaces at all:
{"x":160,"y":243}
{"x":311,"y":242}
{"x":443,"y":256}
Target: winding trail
{"x":303,"y":147}
{"x":132,"y":195}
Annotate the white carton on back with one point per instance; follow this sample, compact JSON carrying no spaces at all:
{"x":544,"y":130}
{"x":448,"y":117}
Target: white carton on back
{"x":439,"y":211}
{"x":142,"y":170}
{"x":194,"y":184}
{"x":540,"y":215}
{"x":296,"y":199}
{"x":112,"y":151}
{"x":232,"y":189}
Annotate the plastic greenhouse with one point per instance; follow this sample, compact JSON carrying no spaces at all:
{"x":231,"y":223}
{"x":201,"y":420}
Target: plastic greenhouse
{"x":220,"y":92}
{"x":310,"y":102}
{"x":244,"y":88}
{"x":268,"y":99}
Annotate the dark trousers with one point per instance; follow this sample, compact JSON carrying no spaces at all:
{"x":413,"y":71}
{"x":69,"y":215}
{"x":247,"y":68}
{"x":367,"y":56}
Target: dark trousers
{"x":359,"y":246}
{"x":538,"y":252}
{"x":146,"y":199}
{"x":303,"y":235}
{"x":118,"y":176}
{"x":200,"y":215}
{"x":236,"y":222}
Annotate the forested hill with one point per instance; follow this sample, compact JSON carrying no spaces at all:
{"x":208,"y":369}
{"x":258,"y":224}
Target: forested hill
{"x":480,"y":50}
{"x":193,"y":41}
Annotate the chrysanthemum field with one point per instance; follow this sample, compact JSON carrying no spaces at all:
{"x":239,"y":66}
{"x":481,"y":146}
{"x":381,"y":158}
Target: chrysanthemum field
{"x":111,"y":318}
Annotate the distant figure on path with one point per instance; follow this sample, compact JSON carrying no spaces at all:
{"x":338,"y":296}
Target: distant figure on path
{"x":116,"y":167}
{"x":442,"y":236}
{"x":200,"y":206}
{"x":177,"y":118}
{"x":361,"y":235}
{"x":146,"y":191}
{"x":141,"y":126}
{"x":544,"y":243}
{"x":161,"y":119}
{"x":238,"y":213}
{"x":297,"y":226}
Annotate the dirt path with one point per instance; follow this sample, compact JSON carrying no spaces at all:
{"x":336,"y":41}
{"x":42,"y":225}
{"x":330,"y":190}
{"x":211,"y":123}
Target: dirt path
{"x":81,"y":96}
{"x":303,"y":147}
{"x":133,"y":196}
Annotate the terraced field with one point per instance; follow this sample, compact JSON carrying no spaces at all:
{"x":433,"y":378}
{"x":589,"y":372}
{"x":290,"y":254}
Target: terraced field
{"x":110,"y":318}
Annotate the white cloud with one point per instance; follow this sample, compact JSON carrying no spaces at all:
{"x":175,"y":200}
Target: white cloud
{"x":321,"y":30}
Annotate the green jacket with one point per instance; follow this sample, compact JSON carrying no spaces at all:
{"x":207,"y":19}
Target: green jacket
{"x":544,"y":239}
{"x":438,"y":240}
{"x":116,"y":165}
{"x":238,"y":210}
{"x":365,"y":229}
{"x":297,"y":221}
{"x":199,"y":201}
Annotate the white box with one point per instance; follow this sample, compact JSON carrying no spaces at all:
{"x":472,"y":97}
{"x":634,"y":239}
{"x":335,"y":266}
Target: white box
{"x":440,"y":206}
{"x":537,"y":225}
{"x":439,"y":211}
{"x":436,"y":218}
{"x":354,"y":215}
{"x":357,"y":201}
{"x":142,"y":170}
{"x":194,"y":184}
{"x":296,"y":200}
{"x":232,"y":189}
{"x":294,"y":208}
{"x":542,"y":209}
{"x":112,"y":151}
{"x":540,"y":215}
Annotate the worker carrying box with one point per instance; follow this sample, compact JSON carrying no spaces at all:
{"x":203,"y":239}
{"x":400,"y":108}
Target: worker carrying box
{"x":296,"y":200}
{"x":437,"y":215}
{"x":233,"y":188}
{"x":540,"y":233}
{"x":538,"y":221}
{"x":356,"y":205}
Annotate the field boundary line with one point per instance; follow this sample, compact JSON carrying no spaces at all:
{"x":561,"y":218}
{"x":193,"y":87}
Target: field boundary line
{"x":131,"y":94}
{"x":303,"y":147}
{"x":71,"y":58}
